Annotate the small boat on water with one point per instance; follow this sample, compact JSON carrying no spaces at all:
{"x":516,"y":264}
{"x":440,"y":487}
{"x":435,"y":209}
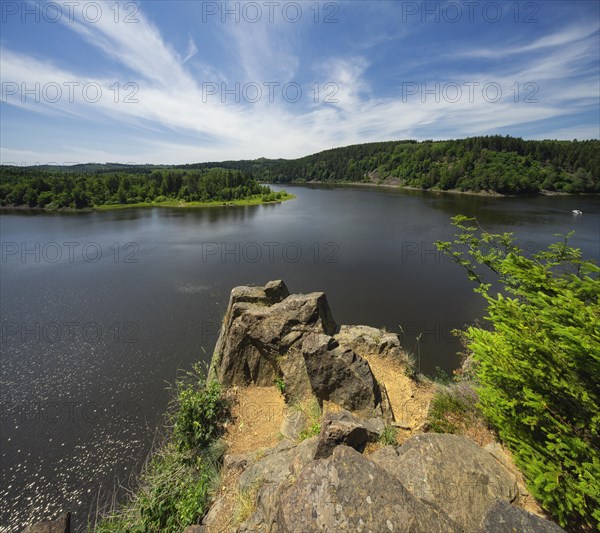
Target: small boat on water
{"x":577,"y":212}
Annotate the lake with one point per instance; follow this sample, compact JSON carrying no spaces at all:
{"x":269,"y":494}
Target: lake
{"x":100,"y":310}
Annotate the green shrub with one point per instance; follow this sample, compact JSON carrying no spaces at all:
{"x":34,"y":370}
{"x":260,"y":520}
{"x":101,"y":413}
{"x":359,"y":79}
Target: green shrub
{"x":199,"y":411}
{"x":311,"y":430}
{"x":538,"y":368}
{"x":280,"y":384}
{"x":388,"y":436}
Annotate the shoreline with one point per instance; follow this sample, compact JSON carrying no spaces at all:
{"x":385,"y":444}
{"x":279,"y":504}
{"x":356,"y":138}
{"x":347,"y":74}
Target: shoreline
{"x":487,"y":194}
{"x":174,"y":204}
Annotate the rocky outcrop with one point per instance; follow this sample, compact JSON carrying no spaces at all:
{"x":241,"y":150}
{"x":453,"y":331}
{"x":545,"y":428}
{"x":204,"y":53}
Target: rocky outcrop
{"x":452,"y":473}
{"x":269,"y":335}
{"x":347,"y":492}
{"x":365,"y":341}
{"x":431,"y":483}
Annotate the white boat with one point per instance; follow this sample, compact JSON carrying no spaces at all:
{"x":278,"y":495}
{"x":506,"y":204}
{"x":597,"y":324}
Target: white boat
{"x":577,"y":212}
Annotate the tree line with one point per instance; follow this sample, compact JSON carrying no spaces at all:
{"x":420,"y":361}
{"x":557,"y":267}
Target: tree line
{"x":501,"y":164}
{"x":49,"y":187}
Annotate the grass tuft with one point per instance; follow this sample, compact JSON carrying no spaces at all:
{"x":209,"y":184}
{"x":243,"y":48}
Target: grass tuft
{"x":179,"y":479}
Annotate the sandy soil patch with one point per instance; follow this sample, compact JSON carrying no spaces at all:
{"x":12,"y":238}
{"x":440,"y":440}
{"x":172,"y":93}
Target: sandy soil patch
{"x":409,"y":400}
{"x":257,"y":415}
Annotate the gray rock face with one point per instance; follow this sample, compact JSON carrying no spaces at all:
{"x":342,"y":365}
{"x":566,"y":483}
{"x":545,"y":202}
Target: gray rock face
{"x":267,"y":474}
{"x":293,"y":425}
{"x":339,"y":375}
{"x":365,"y":340}
{"x":268,"y":334}
{"x":347,"y":492}
{"x":340,"y":428}
{"x":452,"y":473}
{"x":503,"y":517}
{"x":278,"y":463}
{"x":61,"y":525}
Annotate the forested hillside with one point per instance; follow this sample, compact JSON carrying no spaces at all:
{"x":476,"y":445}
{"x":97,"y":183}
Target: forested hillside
{"x":501,"y":164}
{"x":505,"y":165}
{"x":52,"y":188}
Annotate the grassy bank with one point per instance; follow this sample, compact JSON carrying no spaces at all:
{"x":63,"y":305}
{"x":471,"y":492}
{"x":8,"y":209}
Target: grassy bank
{"x":176,"y":485}
{"x":256,"y":199}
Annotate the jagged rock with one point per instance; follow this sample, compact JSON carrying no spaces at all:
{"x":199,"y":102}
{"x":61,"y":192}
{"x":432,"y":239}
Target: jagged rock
{"x":365,"y":341}
{"x":60,"y":525}
{"x":340,"y":428}
{"x":265,"y":476}
{"x":268,"y":334}
{"x":450,"y":472}
{"x":374,"y":427}
{"x":216,"y":509}
{"x":241,"y":299}
{"x":295,"y":376}
{"x":276,"y":291}
{"x":503,"y":517}
{"x":273,"y":292}
{"x":347,"y":492}
{"x":293,"y":425}
{"x":339,"y":375}
{"x":279,"y":462}
{"x":256,"y":332}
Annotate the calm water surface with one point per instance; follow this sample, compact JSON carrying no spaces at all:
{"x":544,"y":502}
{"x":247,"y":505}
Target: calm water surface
{"x":99,"y":310}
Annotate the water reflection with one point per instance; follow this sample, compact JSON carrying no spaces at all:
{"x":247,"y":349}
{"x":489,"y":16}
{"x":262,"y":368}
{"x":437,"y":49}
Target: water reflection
{"x":371,"y":249}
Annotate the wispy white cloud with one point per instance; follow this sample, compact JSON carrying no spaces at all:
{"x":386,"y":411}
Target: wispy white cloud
{"x":172,"y":100}
{"x":191,"y":52}
{"x":564,"y":37}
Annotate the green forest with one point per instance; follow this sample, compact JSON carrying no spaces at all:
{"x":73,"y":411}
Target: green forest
{"x":81,"y":188}
{"x":505,"y":165}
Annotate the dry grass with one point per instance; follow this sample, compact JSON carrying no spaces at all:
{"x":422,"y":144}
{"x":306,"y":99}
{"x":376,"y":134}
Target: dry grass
{"x":225,"y":520}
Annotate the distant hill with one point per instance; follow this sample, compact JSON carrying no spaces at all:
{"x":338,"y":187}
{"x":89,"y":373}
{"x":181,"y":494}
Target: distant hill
{"x":506,"y":165}
{"x":501,"y":164}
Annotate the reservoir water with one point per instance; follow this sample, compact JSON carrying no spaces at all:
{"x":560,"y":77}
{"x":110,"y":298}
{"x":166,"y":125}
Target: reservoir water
{"x":99,"y":310}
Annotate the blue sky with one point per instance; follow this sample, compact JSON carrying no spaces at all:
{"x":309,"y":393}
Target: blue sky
{"x":191,"y":81}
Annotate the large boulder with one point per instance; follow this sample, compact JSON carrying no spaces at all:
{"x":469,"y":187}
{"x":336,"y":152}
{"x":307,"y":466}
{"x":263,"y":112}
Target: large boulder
{"x":452,"y":473}
{"x":366,"y":340}
{"x":264,"y":477}
{"x":278,"y":463}
{"x":340,"y":428}
{"x":337,"y":374}
{"x":269,"y":335}
{"x":347,"y":492}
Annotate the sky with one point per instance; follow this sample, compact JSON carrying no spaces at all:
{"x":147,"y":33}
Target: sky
{"x":191,"y":81}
